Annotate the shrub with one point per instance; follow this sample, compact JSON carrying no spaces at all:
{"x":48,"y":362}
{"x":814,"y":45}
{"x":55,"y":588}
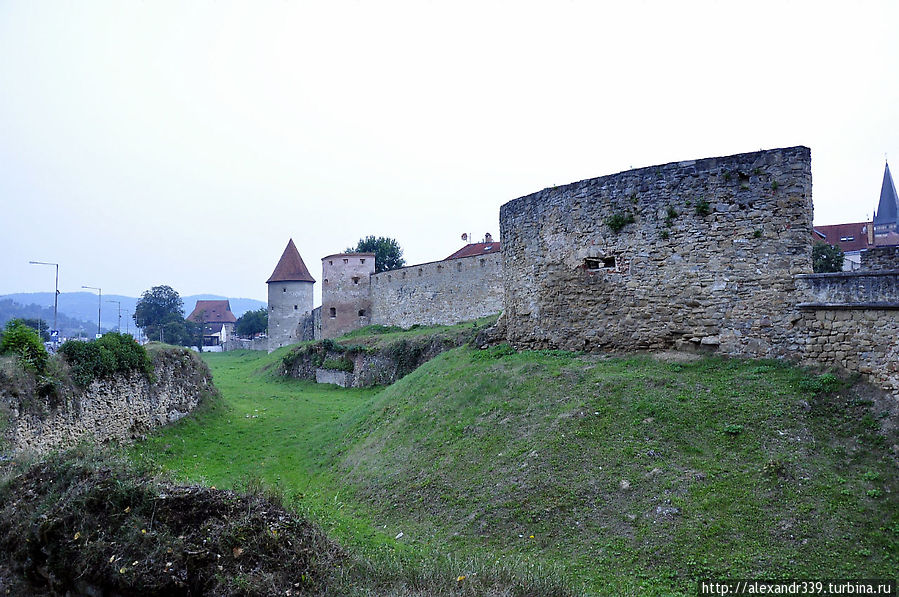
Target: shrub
{"x":22,"y":341}
{"x":827,"y":258}
{"x":619,"y":221}
{"x":113,"y":353}
{"x":341,"y":364}
{"x":703,"y":208}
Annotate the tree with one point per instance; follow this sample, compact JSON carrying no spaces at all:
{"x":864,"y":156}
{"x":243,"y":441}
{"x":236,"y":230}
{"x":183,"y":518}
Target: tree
{"x":827,"y":258}
{"x":161,"y":309}
{"x":252,"y":322}
{"x":40,"y":326}
{"x":388,"y":254}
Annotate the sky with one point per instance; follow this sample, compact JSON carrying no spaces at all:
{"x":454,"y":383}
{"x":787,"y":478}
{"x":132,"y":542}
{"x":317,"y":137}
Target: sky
{"x":184,"y":143}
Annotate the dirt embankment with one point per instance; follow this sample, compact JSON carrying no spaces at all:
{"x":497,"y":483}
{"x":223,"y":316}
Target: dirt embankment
{"x":80,"y":523}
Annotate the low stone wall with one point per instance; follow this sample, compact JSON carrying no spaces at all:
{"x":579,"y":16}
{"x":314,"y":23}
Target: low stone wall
{"x":344,"y":379}
{"x":860,"y":340}
{"x":438,"y":293}
{"x":868,"y":289}
{"x":122,"y":408}
{"x":880,"y":258}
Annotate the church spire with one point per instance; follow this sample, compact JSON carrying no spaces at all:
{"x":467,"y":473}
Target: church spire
{"x":888,"y":207}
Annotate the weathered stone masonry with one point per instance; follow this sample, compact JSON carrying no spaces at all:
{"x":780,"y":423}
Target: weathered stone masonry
{"x":704,"y":256}
{"x":442,"y":292}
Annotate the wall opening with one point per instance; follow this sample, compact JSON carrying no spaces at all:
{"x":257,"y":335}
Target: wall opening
{"x":294,"y":307}
{"x":283,"y":289}
{"x":355,"y":279}
{"x":594,"y":263}
{"x":362,"y":261}
{"x":346,"y":260}
{"x":333,"y":312}
{"x":459,"y":266}
{"x":361,"y":312}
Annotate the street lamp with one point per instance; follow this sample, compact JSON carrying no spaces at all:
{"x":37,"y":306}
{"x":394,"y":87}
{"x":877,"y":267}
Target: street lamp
{"x":99,"y":305}
{"x":119,"y":303}
{"x":55,"y":298}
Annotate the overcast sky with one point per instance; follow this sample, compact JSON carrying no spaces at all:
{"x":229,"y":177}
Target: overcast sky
{"x":183,"y":143}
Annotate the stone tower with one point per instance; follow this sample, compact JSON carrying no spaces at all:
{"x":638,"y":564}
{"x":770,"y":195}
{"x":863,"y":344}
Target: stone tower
{"x":289,"y":299}
{"x":346,"y":292}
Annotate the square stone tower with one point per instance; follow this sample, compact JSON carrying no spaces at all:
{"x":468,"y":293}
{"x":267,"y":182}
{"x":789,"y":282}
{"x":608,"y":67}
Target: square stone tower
{"x":346,"y":292}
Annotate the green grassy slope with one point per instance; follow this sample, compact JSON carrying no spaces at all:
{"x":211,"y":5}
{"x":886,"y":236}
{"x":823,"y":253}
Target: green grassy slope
{"x":631,"y":475}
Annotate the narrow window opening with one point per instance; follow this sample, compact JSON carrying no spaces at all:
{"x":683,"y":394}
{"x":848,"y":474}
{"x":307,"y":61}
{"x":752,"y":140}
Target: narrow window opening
{"x":294,"y":307}
{"x":483,"y":262}
{"x":346,"y":260}
{"x":330,"y":262}
{"x":283,"y":289}
{"x":592,"y":263}
{"x":419,"y":271}
{"x":361,"y":312}
{"x":362,"y":261}
{"x":333,"y":312}
{"x":326,"y":280}
{"x":355,"y":279}
{"x":459,"y":267}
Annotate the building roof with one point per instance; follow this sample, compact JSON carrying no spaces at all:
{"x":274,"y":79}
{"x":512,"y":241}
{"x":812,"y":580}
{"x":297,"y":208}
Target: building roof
{"x":849,"y":237}
{"x":473,"y":249}
{"x":888,"y":207}
{"x":290,"y":267}
{"x":212,"y":312}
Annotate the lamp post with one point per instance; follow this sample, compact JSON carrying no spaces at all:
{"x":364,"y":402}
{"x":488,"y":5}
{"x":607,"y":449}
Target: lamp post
{"x":55,"y":299}
{"x":119,"y":303}
{"x":99,"y":305}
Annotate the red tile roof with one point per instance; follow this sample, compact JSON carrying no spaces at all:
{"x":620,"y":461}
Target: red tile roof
{"x":475,"y":249}
{"x":291,"y":267}
{"x":855,"y":235}
{"x":212,"y":312}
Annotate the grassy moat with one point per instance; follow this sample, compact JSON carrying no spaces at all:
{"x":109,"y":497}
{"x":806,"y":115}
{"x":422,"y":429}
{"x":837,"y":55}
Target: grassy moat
{"x":610,"y":476}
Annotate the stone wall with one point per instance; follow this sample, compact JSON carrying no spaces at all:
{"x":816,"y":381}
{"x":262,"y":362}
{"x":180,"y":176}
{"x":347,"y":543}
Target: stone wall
{"x":869,"y":289}
{"x":346,"y":300}
{"x":859,"y":340}
{"x":697,"y":253}
{"x":880,"y":258}
{"x":438,"y":293}
{"x":289,"y":303}
{"x":121,"y":408}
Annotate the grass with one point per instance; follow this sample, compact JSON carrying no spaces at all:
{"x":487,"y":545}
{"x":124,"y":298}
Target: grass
{"x":611,"y":475}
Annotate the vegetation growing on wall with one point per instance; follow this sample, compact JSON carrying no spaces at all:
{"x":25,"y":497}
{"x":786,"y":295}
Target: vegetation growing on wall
{"x":113,"y":353}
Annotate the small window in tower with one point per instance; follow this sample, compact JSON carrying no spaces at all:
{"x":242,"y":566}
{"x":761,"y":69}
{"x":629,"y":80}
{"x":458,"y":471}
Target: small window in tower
{"x":355,"y":279}
{"x":284,"y":289}
{"x":273,"y":309}
{"x":362,"y":261}
{"x":330,"y":262}
{"x":419,"y":271}
{"x":346,"y":260}
{"x":326,"y":280}
{"x":459,"y":266}
{"x":333,"y":312}
{"x":361,"y":312}
{"x":294,"y":307}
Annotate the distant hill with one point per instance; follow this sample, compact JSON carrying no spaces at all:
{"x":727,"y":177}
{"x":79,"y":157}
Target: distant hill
{"x":81,"y":308}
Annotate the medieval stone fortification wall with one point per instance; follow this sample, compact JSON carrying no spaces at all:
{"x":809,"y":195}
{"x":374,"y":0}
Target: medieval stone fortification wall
{"x":880,"y":258}
{"x":704,"y":255}
{"x":121,"y":408}
{"x":438,"y":293}
{"x":346,"y":298}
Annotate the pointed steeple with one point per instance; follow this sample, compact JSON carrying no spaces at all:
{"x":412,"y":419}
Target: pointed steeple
{"x":888,"y":208}
{"x":290,"y":267}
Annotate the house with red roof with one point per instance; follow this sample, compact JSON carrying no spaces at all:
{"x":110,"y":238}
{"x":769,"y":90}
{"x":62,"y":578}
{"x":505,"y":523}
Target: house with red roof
{"x":217,"y":320}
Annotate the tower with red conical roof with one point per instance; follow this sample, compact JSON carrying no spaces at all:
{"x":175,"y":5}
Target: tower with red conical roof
{"x":289,"y":299}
